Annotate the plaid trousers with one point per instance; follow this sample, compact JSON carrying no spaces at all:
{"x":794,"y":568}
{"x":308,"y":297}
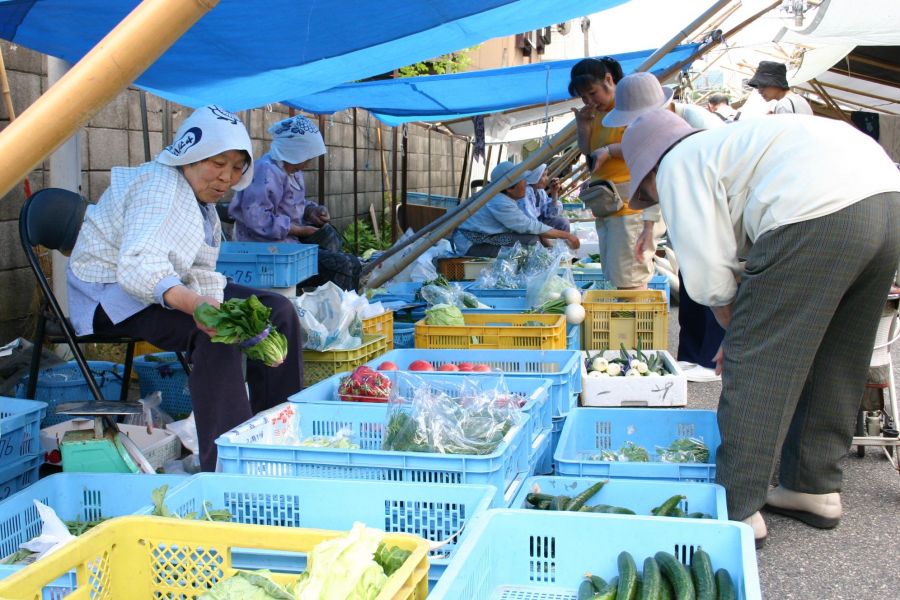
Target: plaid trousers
{"x":798,"y":348}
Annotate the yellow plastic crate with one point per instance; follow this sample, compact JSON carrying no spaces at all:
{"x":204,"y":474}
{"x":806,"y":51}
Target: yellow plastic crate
{"x":629,"y":317}
{"x":152,"y":557}
{"x":497,"y":331}
{"x":382,"y":324}
{"x":322,"y":365}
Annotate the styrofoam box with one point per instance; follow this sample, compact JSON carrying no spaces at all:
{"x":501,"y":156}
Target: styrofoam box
{"x":652,"y":390}
{"x":159,"y":447}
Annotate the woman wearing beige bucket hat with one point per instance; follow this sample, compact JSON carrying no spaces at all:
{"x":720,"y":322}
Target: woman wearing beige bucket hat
{"x":699,"y":335}
{"x":618,"y":226}
{"x":820,"y":252}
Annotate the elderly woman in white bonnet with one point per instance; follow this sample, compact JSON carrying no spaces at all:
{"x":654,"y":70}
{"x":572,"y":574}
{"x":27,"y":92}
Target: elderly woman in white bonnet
{"x":145,"y":259}
{"x":274,"y":208}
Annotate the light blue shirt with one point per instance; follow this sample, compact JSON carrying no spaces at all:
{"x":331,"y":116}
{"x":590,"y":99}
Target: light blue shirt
{"x":501,"y":214}
{"x":118,"y":304}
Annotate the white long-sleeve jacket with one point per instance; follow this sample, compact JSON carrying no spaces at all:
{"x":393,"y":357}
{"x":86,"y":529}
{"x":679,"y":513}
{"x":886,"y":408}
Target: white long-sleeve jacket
{"x":146,"y":227}
{"x":720,"y":190}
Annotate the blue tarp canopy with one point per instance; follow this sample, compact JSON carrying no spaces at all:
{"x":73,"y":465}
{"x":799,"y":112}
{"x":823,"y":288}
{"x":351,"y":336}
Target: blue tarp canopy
{"x":245,"y":54}
{"x":442,"y":97}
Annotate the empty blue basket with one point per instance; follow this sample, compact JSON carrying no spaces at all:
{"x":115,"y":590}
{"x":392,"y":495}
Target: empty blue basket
{"x":65,"y":383}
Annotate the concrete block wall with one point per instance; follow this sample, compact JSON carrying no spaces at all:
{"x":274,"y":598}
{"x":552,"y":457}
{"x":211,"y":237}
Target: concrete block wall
{"x":115,"y":137}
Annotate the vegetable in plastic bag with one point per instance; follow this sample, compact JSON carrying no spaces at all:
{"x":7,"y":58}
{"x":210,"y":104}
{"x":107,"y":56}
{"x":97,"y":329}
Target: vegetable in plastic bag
{"x":685,"y":450}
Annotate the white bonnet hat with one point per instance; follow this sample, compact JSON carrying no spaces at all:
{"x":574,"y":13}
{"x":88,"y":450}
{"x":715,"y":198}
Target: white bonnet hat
{"x":296,"y":140}
{"x":210,"y":130}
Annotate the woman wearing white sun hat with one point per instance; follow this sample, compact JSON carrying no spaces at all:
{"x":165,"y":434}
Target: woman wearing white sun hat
{"x":699,"y":335}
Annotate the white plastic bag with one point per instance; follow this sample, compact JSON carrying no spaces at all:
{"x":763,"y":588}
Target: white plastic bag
{"x":186,"y":430}
{"x":421,"y":269}
{"x":327,"y":316}
{"x":153,"y":416}
{"x":54,"y":533}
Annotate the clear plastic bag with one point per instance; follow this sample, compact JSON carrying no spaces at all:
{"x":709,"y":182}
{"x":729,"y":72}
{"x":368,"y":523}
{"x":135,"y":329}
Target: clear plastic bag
{"x":153,"y":416}
{"x":550,"y":283}
{"x":458,"y":415}
{"x":505,"y":272}
{"x":452,"y":294}
{"x":684,"y":450}
{"x":342,"y":439}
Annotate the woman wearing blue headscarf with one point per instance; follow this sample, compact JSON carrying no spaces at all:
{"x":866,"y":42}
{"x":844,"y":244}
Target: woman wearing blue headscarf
{"x":274,"y":208}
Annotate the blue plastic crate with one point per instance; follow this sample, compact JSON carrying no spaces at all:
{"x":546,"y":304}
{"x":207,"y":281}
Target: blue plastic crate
{"x":75,"y":496}
{"x":556,"y":431}
{"x":533,"y":391}
{"x":589,"y":431}
{"x":267,"y":265}
{"x":641,"y":496}
{"x":20,"y":425}
{"x":17,"y":476}
{"x":540,"y":461}
{"x":531,"y":555}
{"x":561,"y":367}
{"x":164,"y":374}
{"x":432,"y":511}
{"x":404,"y":335}
{"x":592,"y":276}
{"x":245,"y":450}
{"x":65,"y":383}
{"x":435,"y":200}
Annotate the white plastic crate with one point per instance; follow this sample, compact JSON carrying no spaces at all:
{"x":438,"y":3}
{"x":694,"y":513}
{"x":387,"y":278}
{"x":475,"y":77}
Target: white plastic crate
{"x":159,"y":447}
{"x":652,"y":390}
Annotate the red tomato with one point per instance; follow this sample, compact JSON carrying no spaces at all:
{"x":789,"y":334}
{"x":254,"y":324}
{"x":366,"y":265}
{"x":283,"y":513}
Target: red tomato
{"x":420,"y":365}
{"x":481,"y":368}
{"x":448,"y":367}
{"x":388,"y":366}
{"x":465,"y":366}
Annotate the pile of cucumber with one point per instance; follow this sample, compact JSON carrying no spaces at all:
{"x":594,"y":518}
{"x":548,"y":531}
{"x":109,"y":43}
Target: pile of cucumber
{"x":578,"y":503}
{"x":663,"y":578}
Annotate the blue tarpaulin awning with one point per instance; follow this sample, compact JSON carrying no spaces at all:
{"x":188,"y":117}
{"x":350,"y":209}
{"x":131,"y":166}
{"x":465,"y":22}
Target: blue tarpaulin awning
{"x":247,"y":54}
{"x":442,"y":97}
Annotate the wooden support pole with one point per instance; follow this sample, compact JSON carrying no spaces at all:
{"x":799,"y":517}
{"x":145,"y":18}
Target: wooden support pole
{"x":462,"y":174}
{"x":110,"y":67}
{"x":322,"y":163}
{"x":355,"y":183}
{"x":393,"y":184}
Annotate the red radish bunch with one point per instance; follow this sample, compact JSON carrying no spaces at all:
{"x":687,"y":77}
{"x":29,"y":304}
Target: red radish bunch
{"x":365,"y":385}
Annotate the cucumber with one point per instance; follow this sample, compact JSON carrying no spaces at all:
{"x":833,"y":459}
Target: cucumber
{"x":725,"y":585}
{"x":677,"y":575}
{"x":536,"y":499}
{"x":665,"y":509}
{"x":651,"y":580}
{"x":585,"y":590}
{"x":702,"y":571}
{"x":627,"y":588}
{"x":618,"y":510}
{"x":599,"y":508}
{"x":598,"y":583}
{"x":665,"y":590}
{"x":580,"y":500}
{"x":560,"y":502}
{"x":611,"y":590}
{"x":698,"y":515}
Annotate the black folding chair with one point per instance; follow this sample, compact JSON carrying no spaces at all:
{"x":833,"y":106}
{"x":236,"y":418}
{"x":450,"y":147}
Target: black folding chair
{"x":52,"y":218}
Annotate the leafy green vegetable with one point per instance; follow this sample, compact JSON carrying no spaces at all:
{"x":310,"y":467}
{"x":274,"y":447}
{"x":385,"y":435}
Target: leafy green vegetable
{"x":245,"y":321}
{"x":344,"y":568}
{"x":245,"y":585}
{"x":391,"y":559}
{"x":444,"y":314}
{"x":208,"y":513}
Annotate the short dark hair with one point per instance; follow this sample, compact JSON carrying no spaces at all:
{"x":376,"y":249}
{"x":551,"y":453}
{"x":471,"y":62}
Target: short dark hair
{"x":589,"y":71}
{"x":718,"y":99}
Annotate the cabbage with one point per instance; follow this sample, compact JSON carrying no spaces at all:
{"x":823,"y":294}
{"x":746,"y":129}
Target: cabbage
{"x":444,"y":314}
{"x":344,"y":568}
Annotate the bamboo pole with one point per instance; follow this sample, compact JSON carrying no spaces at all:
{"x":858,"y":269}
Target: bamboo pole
{"x":462,"y":171}
{"x":436,"y":230}
{"x":394,"y":184}
{"x":829,"y":101}
{"x":321,"y":173}
{"x":355,"y":184}
{"x":7,"y":96}
{"x":116,"y":61}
